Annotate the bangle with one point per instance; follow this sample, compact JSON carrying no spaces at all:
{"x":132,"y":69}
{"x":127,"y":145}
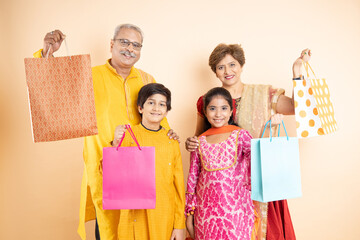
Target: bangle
{"x":299,"y":78}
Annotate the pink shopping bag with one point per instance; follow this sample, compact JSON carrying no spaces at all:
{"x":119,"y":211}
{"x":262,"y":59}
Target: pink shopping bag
{"x":129,"y":176}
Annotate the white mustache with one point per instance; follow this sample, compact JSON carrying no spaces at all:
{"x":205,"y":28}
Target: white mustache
{"x":127,"y":53}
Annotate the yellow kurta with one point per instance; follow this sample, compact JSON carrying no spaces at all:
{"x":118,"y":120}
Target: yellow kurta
{"x":158,"y":223}
{"x":115,"y":103}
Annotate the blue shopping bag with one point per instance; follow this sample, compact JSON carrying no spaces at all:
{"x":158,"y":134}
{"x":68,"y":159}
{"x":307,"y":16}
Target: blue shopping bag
{"x":275,"y":168}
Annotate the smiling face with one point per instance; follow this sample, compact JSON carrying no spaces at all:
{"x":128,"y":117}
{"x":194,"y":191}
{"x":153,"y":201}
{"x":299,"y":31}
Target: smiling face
{"x":153,"y":111}
{"x":121,"y":56}
{"x":228,"y":70}
{"x":218,"y":112}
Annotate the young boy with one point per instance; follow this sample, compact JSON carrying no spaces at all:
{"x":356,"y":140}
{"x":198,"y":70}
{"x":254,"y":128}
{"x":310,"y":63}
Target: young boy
{"x":166,"y":221}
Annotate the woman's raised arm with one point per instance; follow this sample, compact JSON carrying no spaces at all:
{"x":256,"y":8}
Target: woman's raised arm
{"x":285,"y":105}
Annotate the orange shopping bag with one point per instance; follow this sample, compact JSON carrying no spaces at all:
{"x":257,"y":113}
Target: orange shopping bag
{"x":61,"y":97}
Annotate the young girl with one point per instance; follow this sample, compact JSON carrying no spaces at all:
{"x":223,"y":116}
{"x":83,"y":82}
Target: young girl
{"x":218,"y":187}
{"x":167,"y":220}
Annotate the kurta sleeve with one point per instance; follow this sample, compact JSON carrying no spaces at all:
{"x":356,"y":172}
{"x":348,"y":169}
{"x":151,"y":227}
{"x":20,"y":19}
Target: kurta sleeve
{"x":244,"y":148}
{"x":38,"y":54}
{"x":165,"y":124}
{"x":179,"y":218}
{"x":194,"y":172}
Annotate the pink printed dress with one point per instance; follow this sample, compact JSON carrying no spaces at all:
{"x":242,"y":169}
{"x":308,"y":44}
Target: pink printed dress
{"x":218,"y":188}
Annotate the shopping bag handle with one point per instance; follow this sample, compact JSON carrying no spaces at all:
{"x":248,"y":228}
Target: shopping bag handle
{"x":287,"y":136}
{"x":307,"y":66}
{"x":66,"y":46}
{"x":128,"y":127}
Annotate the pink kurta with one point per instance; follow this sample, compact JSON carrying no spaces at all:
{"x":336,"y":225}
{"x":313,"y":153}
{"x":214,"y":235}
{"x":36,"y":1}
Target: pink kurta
{"x":219,"y":188}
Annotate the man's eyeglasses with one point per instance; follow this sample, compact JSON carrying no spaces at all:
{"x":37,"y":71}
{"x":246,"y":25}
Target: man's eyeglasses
{"x":126,"y":43}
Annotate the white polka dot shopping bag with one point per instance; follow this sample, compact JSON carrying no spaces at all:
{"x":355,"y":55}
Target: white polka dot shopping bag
{"x":314,"y":111}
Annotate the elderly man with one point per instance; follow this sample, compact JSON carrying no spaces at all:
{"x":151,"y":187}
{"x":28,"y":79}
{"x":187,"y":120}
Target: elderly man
{"x":116,"y":86}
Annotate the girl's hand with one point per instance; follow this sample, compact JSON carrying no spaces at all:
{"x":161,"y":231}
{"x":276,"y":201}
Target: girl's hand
{"x":177,"y":234}
{"x":172,"y":135}
{"x":305,"y":56}
{"x":191,"y":144}
{"x":190,"y":226}
{"x":276,"y":119}
{"x":118,"y":134}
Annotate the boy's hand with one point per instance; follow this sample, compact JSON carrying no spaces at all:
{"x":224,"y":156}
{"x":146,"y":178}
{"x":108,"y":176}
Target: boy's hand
{"x":118,"y":134}
{"x":177,"y":234}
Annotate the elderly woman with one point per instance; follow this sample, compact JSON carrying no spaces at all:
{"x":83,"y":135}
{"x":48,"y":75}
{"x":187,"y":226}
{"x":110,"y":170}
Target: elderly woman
{"x":253,"y":106}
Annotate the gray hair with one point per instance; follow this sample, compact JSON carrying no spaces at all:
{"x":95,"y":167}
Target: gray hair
{"x":128,"y":26}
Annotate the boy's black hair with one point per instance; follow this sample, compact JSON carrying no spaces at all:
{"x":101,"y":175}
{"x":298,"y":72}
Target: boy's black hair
{"x":151,"y":89}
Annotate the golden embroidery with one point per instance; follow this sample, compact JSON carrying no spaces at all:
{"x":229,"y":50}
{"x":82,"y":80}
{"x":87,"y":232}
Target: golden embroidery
{"x":217,"y":169}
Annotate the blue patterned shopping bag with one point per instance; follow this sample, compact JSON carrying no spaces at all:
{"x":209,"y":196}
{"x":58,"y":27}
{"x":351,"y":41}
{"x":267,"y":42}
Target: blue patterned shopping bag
{"x":275,"y":168}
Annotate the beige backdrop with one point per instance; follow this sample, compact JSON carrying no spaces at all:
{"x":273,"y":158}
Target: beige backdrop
{"x":40,"y":183}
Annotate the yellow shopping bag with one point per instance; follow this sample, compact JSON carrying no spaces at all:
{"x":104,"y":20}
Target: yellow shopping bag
{"x":314,"y":111}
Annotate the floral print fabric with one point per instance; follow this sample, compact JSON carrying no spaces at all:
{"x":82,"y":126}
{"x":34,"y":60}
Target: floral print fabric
{"x":221,"y":193}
